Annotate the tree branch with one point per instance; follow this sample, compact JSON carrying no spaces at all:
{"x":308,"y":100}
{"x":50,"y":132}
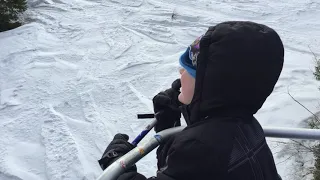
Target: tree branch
{"x":299,"y":143}
{"x":314,"y":55}
{"x":287,"y":158}
{"x":304,"y":107}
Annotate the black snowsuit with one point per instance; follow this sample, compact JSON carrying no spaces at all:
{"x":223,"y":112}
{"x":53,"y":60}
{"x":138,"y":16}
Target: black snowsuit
{"x":238,"y":66}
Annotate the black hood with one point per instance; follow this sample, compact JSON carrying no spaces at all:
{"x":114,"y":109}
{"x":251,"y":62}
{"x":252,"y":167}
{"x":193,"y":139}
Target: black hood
{"x":237,"y":68}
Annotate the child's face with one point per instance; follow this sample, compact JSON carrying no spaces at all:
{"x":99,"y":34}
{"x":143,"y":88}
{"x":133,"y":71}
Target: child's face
{"x":187,"y":87}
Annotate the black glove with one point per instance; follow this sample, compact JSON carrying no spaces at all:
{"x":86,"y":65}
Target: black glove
{"x":166,"y":107}
{"x":118,"y":147}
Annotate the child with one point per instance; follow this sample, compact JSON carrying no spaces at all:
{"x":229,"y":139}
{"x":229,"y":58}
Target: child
{"x":227,"y":75}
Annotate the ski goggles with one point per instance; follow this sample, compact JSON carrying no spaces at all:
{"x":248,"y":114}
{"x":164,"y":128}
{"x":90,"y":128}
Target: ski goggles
{"x":194,"y":51}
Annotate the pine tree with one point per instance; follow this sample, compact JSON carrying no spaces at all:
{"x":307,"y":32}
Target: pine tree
{"x":313,"y":125}
{"x":9,"y":11}
{"x":317,"y":69}
{"x":316,"y":172}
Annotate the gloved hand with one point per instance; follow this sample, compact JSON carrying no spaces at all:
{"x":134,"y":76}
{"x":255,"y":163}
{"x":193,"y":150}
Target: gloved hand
{"x":166,"y":107}
{"x":118,"y":147}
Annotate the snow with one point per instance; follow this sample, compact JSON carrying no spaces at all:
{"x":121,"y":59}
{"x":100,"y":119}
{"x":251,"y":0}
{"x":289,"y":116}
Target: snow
{"x":79,"y":71}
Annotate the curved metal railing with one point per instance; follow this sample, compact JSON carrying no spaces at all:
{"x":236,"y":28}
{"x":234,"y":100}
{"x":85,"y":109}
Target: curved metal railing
{"x":147,"y":145}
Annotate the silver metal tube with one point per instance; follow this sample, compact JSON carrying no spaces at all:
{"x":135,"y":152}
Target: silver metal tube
{"x":292,"y":133}
{"x":146,"y":146}
{"x":142,"y":149}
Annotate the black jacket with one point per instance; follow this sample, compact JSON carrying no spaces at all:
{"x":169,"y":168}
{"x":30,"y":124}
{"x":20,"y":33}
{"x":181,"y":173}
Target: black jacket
{"x":238,"y":66}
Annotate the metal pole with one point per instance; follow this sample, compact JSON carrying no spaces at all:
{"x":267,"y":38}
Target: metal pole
{"x":292,"y":133}
{"x":146,"y":146}
{"x":147,"y":129}
{"x":143,"y":148}
{"x":144,"y":132}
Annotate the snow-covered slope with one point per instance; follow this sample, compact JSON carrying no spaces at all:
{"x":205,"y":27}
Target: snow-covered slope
{"x":81,"y":70}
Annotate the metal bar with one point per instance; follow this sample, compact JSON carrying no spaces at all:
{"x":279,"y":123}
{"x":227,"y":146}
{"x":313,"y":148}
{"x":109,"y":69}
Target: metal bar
{"x":144,"y":132}
{"x":146,"y":146}
{"x":292,"y":133}
{"x":129,"y":159}
{"x":145,"y":116}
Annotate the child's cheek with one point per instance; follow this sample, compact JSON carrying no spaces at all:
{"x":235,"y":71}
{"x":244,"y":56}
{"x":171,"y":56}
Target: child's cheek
{"x":187,"y":88}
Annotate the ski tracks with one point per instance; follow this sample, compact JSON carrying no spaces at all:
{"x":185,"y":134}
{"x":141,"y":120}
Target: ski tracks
{"x":62,"y":155}
{"x":101,"y":134}
{"x":143,"y":99}
{"x":71,"y":145}
{"x":130,"y":3}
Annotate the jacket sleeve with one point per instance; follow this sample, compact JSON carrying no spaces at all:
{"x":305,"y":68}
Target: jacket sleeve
{"x":138,"y":176}
{"x":131,"y":176}
{"x":186,"y":160}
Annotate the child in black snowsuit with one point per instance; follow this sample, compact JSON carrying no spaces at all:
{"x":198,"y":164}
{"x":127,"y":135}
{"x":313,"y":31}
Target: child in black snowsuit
{"x":227,"y":75}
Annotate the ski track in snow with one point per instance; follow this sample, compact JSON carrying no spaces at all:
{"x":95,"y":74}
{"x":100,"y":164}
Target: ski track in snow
{"x":79,"y":71}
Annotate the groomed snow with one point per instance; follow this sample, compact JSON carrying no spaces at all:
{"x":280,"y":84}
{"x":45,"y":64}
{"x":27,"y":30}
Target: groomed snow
{"x":79,"y":71}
